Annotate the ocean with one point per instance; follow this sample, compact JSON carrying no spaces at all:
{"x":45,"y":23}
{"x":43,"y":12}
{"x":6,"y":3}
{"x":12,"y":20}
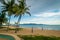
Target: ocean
{"x":40,"y":26}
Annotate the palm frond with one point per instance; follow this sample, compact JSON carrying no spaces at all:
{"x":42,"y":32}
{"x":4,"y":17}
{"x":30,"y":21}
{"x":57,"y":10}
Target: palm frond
{"x":27,"y":8}
{"x":4,"y":11}
{"x":12,"y":2}
{"x":28,"y":13}
{"x":3,"y":2}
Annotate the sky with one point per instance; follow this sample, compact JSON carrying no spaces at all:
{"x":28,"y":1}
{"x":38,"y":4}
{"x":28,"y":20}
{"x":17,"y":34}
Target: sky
{"x":42,"y":12}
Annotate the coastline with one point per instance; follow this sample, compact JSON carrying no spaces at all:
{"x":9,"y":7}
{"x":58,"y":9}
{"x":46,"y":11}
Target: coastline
{"x":36,"y":31}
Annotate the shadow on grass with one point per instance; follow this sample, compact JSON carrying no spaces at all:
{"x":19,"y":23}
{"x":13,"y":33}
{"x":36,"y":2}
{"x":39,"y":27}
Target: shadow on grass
{"x":30,"y":37}
{"x":15,"y":29}
{"x":2,"y":27}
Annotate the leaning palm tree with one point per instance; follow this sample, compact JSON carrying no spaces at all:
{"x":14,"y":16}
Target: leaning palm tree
{"x":7,"y":8}
{"x":21,"y":9}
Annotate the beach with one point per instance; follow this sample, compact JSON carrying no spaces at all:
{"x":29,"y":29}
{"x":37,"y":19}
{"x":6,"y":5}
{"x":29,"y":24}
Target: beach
{"x":28,"y":31}
{"x":35,"y":31}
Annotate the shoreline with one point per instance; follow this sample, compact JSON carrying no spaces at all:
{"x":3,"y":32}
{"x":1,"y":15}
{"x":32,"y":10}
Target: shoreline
{"x":13,"y":27}
{"x":36,"y":31}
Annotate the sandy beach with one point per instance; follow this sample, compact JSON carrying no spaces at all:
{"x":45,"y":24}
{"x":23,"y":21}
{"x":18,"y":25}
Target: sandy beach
{"x":28,"y":31}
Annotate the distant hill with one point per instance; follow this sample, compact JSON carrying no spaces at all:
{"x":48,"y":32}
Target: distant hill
{"x":39,"y":24}
{"x":33,"y":24}
{"x":36,"y":24}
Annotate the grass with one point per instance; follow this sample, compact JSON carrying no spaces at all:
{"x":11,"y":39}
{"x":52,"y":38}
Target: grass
{"x":2,"y":27}
{"x":30,"y":37}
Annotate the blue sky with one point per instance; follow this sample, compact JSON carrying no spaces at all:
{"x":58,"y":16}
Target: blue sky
{"x":42,"y":12}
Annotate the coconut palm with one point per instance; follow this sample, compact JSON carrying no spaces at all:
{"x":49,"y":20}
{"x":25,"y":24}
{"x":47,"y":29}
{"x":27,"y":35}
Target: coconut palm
{"x":7,"y":8}
{"x":21,"y":9}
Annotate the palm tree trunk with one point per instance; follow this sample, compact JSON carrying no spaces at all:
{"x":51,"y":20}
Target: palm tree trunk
{"x":8,"y":23}
{"x":18,"y":23}
{"x":32,"y":30}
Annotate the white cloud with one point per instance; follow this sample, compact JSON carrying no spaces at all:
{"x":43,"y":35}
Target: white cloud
{"x":49,"y":14}
{"x":39,"y":20}
{"x":42,"y":21}
{"x":44,"y":18}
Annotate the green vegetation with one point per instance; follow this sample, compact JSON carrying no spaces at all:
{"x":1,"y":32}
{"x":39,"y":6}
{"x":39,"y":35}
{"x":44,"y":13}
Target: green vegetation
{"x":17,"y":9}
{"x":7,"y":7}
{"x":2,"y":27}
{"x":3,"y":18}
{"x":20,"y":10}
{"x":30,"y":37}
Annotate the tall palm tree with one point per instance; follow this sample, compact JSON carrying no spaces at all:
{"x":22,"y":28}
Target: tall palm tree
{"x":7,"y":7}
{"x":21,"y":10}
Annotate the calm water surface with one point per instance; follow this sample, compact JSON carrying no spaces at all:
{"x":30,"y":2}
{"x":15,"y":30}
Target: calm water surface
{"x":46,"y":27}
{"x":7,"y":37}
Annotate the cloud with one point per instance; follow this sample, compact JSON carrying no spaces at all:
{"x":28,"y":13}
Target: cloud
{"x":42,"y":21}
{"x":43,"y":5}
{"x":48,"y":14}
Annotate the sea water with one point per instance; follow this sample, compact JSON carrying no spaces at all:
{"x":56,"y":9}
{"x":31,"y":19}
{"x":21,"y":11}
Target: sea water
{"x":39,"y":26}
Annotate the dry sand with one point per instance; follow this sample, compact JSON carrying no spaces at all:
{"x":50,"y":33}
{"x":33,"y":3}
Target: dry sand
{"x":28,"y":31}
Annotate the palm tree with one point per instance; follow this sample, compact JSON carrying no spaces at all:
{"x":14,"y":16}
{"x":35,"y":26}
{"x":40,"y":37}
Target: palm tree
{"x":7,"y":7}
{"x":21,"y":9}
{"x":3,"y":18}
